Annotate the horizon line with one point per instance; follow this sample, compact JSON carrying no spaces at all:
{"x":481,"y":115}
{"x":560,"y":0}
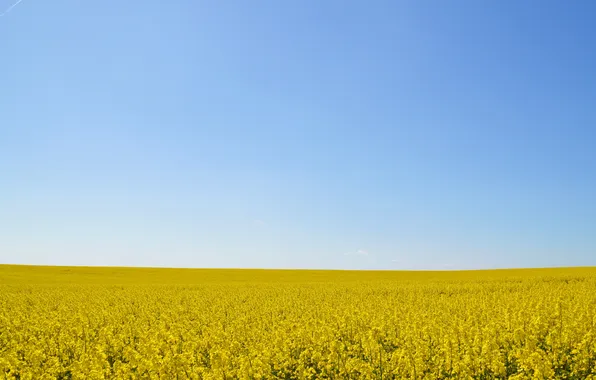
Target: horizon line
{"x":293,"y":269}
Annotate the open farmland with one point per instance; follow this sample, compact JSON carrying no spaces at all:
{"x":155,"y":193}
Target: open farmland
{"x":123,"y":323}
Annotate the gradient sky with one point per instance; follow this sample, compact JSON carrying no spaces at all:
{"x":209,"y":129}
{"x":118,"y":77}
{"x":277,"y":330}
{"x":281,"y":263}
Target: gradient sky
{"x":298,"y":134}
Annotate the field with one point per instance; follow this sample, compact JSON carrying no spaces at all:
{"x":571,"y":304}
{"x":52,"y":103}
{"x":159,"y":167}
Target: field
{"x":126,"y":323}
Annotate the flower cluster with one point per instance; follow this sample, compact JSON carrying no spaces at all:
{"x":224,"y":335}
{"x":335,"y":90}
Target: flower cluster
{"x":300,"y":325}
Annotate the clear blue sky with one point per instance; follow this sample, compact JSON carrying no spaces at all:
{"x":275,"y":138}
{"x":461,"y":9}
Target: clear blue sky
{"x":298,"y":134}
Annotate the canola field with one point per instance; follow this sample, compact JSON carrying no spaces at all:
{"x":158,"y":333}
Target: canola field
{"x":133,"y":323}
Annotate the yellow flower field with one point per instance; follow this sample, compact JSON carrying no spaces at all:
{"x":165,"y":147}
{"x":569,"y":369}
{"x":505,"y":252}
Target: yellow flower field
{"x":126,"y":323}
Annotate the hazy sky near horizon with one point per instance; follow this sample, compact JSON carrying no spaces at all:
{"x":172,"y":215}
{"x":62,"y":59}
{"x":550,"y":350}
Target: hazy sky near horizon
{"x":298,"y":134}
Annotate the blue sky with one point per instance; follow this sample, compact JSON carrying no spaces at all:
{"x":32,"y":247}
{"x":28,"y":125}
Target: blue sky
{"x":298,"y":134}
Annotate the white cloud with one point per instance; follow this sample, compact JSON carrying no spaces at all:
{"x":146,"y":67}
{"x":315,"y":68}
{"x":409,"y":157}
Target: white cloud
{"x":258,"y":223}
{"x":360,"y":252}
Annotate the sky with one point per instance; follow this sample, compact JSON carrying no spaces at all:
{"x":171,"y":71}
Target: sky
{"x":298,"y":134}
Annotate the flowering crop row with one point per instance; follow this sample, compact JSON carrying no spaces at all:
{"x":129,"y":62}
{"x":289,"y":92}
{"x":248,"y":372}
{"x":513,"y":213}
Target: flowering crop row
{"x":334,"y":325}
